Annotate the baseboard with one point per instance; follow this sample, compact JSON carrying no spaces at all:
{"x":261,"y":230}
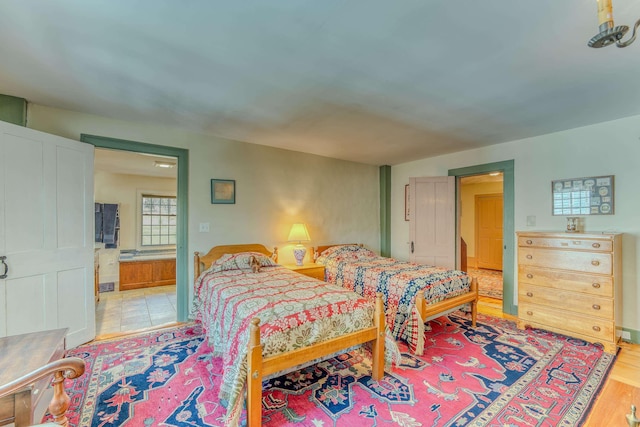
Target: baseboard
{"x":471,"y":262}
{"x":634,"y":336}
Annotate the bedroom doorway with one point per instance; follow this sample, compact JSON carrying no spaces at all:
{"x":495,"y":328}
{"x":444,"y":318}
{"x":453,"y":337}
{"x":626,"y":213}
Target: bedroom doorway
{"x":466,"y":225}
{"x":181,"y":157}
{"x":135,"y":240}
{"x":481,"y":227}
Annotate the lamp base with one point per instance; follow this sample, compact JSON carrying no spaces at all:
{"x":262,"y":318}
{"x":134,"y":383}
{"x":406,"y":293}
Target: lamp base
{"x":298,"y":253}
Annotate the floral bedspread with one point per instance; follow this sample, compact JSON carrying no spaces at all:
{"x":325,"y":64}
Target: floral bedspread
{"x":294,"y":311}
{"x":361,"y":270}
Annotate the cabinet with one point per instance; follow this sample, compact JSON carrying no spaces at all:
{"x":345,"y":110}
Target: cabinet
{"x":571,"y":284}
{"x":147,"y":273}
{"x":311,"y":270}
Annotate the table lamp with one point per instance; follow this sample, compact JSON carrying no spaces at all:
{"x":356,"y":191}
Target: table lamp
{"x":299,"y":234}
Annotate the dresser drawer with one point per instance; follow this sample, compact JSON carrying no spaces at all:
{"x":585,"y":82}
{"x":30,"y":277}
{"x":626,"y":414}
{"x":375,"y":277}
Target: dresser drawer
{"x":566,"y":243}
{"x":593,"y":284}
{"x":566,"y":300}
{"x":587,"y":262}
{"x":559,"y":319}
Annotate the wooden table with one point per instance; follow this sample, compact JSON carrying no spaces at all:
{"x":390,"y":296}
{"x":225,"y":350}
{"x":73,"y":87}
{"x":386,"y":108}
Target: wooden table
{"x":19,"y":355}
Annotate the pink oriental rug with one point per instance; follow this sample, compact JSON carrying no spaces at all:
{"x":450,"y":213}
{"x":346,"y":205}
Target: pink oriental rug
{"x":494,"y":375}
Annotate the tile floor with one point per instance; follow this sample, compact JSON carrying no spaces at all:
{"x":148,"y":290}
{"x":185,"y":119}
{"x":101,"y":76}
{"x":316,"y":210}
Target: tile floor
{"x":136,"y":309}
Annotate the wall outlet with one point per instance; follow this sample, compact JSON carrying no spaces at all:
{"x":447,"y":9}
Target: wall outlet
{"x":531,"y":221}
{"x":204,"y":227}
{"x":626,"y":335}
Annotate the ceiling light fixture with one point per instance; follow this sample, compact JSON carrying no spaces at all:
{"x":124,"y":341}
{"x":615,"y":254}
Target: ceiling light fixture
{"x":609,"y":34}
{"x":164,"y":164}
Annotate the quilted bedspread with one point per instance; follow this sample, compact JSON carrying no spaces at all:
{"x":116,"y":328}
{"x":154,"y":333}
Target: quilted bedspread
{"x":360,"y":270}
{"x":294,"y":311}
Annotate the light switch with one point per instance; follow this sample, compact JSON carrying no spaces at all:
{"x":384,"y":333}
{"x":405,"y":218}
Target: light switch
{"x":531,"y":221}
{"x":204,"y":227}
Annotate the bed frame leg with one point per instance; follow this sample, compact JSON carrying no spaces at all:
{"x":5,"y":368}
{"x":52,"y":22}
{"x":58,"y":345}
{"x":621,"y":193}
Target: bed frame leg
{"x":378,"y":345}
{"x":421,"y":305}
{"x":254,"y":375}
{"x":474,"y":303}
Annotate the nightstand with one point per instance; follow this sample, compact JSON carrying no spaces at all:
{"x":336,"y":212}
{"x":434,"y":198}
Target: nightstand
{"x":312,"y":270}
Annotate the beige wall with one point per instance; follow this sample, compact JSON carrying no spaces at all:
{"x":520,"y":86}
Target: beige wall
{"x":468,"y":195}
{"x":610,"y":148}
{"x":338,"y":200}
{"x":123,"y":190}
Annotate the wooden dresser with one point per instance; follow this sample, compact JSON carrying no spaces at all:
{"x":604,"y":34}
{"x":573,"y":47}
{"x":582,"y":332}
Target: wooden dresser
{"x":312,"y":270}
{"x":571,"y":284}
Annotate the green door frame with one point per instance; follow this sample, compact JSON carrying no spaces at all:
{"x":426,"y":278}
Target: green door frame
{"x":182,"y":271}
{"x":508,"y":237}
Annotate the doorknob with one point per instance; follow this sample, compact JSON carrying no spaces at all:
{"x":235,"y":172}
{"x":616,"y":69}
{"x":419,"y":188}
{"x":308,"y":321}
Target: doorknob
{"x":6,"y":267}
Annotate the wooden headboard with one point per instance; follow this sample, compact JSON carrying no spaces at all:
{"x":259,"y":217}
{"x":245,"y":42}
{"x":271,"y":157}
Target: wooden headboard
{"x":319,"y":249}
{"x":202,"y":262}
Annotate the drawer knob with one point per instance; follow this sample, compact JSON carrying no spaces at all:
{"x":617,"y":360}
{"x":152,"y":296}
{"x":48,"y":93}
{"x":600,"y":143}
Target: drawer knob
{"x":529,"y":256}
{"x":529,"y":294}
{"x":529,"y":276}
{"x":596,"y":245}
{"x":596,"y":328}
{"x":596,"y":306}
{"x":529,"y":242}
{"x":595,"y":263}
{"x":595,"y":285}
{"x":530,"y":313}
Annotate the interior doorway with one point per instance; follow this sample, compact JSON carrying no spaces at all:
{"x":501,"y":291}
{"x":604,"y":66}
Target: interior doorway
{"x":481,"y":227}
{"x":507,"y":168}
{"x":135,"y":240}
{"x":182,"y":157}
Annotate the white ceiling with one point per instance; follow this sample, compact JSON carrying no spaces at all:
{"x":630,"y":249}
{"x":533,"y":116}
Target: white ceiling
{"x":373,"y":81}
{"x":129,"y":163}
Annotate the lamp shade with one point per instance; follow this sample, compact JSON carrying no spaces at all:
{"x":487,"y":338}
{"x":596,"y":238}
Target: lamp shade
{"x":299,"y":233}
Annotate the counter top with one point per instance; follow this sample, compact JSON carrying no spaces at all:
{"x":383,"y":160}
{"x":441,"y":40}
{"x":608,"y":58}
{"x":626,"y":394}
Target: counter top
{"x":141,"y":256}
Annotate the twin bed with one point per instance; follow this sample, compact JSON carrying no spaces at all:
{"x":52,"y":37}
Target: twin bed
{"x":268,"y":319}
{"x":275,"y":320}
{"x":413,"y":294}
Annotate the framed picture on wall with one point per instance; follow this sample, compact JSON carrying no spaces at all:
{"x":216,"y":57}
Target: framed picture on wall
{"x":406,"y":202}
{"x":223,"y":191}
{"x":592,"y":195}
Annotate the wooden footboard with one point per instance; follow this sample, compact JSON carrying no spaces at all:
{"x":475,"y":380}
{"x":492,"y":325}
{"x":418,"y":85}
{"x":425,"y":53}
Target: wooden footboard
{"x":429,"y":311}
{"x":259,"y":367}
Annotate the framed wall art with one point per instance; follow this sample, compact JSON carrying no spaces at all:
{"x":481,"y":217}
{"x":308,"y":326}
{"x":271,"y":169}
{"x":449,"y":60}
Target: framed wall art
{"x":583,"y":196}
{"x":406,"y":202}
{"x":223,"y":191}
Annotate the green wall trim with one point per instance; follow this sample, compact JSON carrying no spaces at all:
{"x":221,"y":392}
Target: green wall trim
{"x":182,"y":244}
{"x":508,"y":276}
{"x":13,"y":110}
{"x":385,"y":210}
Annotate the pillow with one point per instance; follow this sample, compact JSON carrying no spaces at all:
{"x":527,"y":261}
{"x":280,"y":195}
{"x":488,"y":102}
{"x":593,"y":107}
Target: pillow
{"x":345,"y":253}
{"x":241,"y":261}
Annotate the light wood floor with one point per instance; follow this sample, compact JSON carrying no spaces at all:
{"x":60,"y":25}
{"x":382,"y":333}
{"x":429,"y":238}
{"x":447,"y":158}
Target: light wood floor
{"x":622,"y":388}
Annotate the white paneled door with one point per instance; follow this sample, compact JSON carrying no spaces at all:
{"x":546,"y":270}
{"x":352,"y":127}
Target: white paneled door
{"x":432,"y":221}
{"x":46,"y":234}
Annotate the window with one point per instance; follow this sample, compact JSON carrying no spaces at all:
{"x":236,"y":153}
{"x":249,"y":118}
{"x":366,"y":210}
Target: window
{"x":158,"y":220}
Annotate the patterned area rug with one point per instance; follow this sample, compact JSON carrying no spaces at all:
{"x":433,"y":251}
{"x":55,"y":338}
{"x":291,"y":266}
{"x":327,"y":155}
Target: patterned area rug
{"x":489,"y":282}
{"x":489,"y":376}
